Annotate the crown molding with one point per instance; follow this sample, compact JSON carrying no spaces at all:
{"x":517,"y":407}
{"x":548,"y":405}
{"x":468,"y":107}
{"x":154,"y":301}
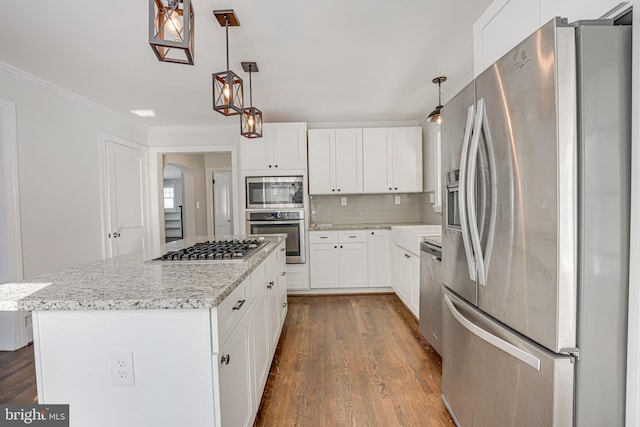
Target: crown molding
{"x":346,"y":125}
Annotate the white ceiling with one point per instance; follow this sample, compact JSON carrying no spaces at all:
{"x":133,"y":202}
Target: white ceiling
{"x":319,"y":61}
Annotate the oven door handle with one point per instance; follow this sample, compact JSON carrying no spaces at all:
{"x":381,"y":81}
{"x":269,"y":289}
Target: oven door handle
{"x":279,"y":222}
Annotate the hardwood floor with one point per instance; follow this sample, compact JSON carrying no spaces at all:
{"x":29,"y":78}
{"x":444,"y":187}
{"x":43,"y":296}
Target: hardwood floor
{"x":352,"y":360}
{"x":18,"y":376}
{"x":341,"y":361}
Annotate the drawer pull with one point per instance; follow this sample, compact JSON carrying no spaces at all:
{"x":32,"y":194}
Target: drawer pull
{"x":239,"y":305}
{"x":284,"y":273}
{"x":284,"y":304}
{"x":353,"y":237}
{"x":324,"y":237}
{"x":225,"y":359}
{"x":270,"y":285}
{"x":282,"y":249}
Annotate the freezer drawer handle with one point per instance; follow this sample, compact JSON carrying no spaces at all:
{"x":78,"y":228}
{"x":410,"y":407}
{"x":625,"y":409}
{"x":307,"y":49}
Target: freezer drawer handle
{"x":511,"y":349}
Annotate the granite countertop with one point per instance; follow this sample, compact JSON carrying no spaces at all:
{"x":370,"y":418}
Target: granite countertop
{"x":133,"y":282}
{"x":338,"y":227}
{"x":434,"y":240}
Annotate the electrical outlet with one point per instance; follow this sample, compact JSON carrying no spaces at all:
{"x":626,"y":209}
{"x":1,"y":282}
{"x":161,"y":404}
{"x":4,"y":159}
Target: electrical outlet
{"x":432,"y":198}
{"x":122,"y":367}
{"x":197,"y":205}
{"x":343,"y":201}
{"x":397,"y":200}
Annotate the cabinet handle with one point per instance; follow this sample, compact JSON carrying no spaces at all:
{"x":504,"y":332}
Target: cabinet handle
{"x":324,"y":237}
{"x":390,"y":188}
{"x":338,"y":189}
{"x":284,"y":304}
{"x":239,"y":304}
{"x":354,"y":237}
{"x":335,"y":247}
{"x":340,"y":246}
{"x":225,"y":359}
{"x":372,"y":233}
{"x":276,"y":165}
{"x":269,"y":165}
{"x":282,"y":249}
{"x":396,"y":188}
{"x":284,"y":273}
{"x":270,"y":285}
{"x":333,"y":189}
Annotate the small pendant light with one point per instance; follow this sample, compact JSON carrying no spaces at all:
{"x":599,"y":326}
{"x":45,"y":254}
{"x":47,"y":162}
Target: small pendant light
{"x":171,"y":30}
{"x":228,"y":98}
{"x":434,"y":116}
{"x":251,"y":118}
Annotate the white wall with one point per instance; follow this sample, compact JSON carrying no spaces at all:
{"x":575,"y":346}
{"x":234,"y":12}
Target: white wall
{"x":59,"y":171}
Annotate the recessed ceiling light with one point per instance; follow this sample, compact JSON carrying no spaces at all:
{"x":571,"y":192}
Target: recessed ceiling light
{"x":144,"y":113}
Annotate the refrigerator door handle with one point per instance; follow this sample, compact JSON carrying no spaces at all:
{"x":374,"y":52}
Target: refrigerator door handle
{"x":508,"y":348}
{"x":471,"y":195}
{"x":462,"y":197}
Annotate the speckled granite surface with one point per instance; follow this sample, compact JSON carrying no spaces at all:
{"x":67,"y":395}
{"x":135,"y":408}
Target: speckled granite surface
{"x":128,"y":282}
{"x":337,"y":227}
{"x":434,"y":240}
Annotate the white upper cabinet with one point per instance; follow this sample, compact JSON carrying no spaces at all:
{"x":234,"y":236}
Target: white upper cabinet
{"x":335,"y":161}
{"x":432,"y":168}
{"x":506,"y":23}
{"x":502,"y":26}
{"x":392,"y":160}
{"x":282,"y":148}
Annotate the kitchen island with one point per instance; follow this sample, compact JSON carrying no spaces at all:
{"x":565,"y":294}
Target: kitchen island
{"x":129,"y":342}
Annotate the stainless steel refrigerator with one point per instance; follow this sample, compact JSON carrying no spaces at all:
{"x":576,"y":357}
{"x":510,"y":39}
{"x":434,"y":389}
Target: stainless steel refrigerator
{"x":536,"y":164}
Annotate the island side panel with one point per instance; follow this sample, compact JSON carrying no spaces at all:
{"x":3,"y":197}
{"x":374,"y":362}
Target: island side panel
{"x":171,"y":366}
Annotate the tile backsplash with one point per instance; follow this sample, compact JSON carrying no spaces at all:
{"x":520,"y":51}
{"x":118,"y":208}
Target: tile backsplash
{"x":373,"y":209}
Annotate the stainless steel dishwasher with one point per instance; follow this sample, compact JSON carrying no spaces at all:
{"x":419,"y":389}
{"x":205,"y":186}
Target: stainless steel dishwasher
{"x":431,"y":294}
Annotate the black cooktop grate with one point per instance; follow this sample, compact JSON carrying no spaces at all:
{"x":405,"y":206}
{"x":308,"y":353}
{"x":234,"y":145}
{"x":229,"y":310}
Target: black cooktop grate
{"x":215,"y":250}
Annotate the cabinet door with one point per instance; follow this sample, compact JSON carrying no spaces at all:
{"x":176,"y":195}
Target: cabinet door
{"x":261,"y":348}
{"x":348,"y":161}
{"x":282,"y":292}
{"x":379,"y":258}
{"x":274,"y":313}
{"x":322,"y":161}
{"x":401,"y":274}
{"x":501,"y":27}
{"x":255,"y":154}
{"x":353,"y":265}
{"x":289,"y":146}
{"x":323,"y":260}
{"x":406,"y":159}
{"x":413,"y":264}
{"x":376,"y":149}
{"x":234,"y":376}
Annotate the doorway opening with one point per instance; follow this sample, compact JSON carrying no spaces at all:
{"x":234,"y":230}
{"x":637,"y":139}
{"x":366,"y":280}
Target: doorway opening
{"x":196,"y":193}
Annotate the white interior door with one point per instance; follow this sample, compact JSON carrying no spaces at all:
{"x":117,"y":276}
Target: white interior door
{"x":222,"y":204}
{"x":127,"y":184}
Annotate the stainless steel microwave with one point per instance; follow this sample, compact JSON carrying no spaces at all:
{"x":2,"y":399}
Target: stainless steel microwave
{"x":267,"y":192}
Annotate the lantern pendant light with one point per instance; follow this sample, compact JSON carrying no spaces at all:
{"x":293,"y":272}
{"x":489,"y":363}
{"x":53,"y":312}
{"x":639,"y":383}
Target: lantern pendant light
{"x":171,"y":30}
{"x":251,"y":118}
{"x":228,"y":98}
{"x":434,"y":116}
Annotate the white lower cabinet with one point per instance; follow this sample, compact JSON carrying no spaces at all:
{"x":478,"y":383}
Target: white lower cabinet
{"x":350,"y":259}
{"x":379,"y":258}
{"x":338,"y":259}
{"x":234,"y":372}
{"x":406,"y":278}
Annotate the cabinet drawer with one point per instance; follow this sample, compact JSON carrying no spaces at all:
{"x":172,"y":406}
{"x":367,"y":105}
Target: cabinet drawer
{"x":354,"y":236}
{"x":323,"y":237}
{"x":226,"y":316}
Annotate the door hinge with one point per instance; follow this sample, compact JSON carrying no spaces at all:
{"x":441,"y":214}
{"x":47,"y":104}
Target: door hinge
{"x":575,"y":352}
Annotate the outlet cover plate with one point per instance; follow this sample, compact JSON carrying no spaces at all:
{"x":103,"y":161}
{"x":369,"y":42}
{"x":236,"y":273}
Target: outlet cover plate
{"x":122,"y":367}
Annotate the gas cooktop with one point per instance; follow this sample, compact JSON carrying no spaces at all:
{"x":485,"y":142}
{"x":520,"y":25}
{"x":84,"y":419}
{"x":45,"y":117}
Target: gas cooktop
{"x":216,"y":250}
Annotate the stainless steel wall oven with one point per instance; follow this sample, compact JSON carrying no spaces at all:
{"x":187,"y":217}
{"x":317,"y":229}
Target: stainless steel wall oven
{"x":291,"y":223}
